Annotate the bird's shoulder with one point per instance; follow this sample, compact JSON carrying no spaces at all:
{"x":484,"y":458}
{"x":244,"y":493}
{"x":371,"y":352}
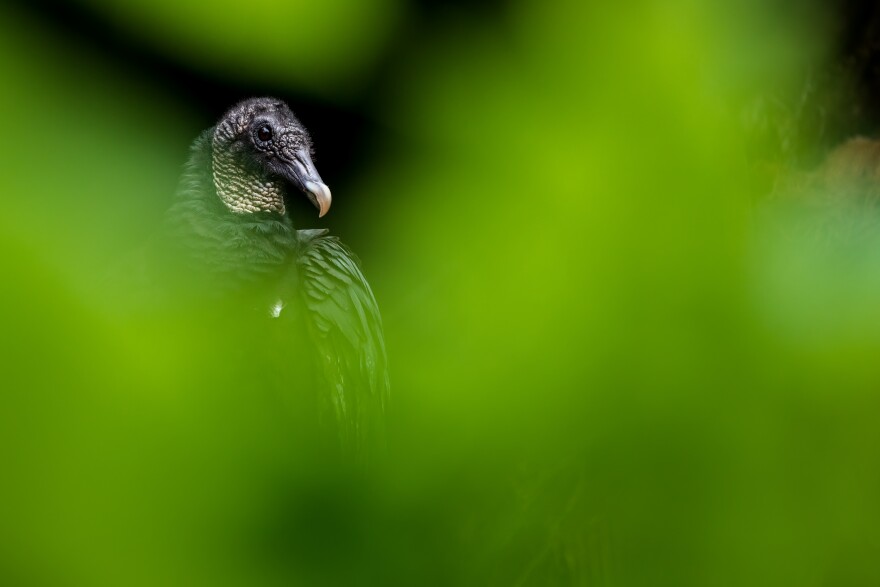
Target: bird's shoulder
{"x":334,"y":287}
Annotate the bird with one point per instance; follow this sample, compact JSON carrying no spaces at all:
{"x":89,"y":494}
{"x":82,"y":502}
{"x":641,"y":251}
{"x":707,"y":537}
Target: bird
{"x":230,"y":236}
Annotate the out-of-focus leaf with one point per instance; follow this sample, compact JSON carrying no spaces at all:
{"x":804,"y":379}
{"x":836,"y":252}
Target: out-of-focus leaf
{"x":317,"y":45}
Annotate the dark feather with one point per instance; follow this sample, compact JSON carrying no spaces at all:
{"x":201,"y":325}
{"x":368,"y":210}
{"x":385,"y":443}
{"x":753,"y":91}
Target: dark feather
{"x":347,"y":330}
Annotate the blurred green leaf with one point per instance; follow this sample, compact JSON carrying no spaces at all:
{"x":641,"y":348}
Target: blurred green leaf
{"x":317,"y":45}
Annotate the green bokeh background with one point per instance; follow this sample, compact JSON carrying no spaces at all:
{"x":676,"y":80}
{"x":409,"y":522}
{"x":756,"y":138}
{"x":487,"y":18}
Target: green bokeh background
{"x":610,"y":364}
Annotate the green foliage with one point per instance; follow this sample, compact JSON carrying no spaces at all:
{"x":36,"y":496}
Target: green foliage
{"x":320,"y":45}
{"x":609,"y":367}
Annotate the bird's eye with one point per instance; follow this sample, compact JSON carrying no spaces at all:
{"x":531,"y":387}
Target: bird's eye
{"x":264,"y":133}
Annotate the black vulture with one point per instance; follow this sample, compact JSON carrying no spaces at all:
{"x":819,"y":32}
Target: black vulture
{"x":229,"y":236}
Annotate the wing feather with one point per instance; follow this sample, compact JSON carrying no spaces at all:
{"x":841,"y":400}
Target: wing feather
{"x":346,"y":328}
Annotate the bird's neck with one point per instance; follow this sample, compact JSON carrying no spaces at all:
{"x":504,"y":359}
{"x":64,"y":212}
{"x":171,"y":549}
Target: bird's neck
{"x":242,"y":191}
{"x":221,"y":238}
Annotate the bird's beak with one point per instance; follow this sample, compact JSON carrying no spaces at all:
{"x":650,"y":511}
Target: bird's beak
{"x":305,"y":176}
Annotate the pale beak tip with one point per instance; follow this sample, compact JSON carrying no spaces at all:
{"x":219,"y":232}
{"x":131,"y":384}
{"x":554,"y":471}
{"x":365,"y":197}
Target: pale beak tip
{"x":322,"y":196}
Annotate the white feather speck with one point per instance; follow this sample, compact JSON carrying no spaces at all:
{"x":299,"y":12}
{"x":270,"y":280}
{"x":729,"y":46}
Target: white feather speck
{"x":276,"y":308}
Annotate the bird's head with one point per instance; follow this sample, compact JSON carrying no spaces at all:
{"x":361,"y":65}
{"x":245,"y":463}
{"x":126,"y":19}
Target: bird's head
{"x":260,"y":148}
